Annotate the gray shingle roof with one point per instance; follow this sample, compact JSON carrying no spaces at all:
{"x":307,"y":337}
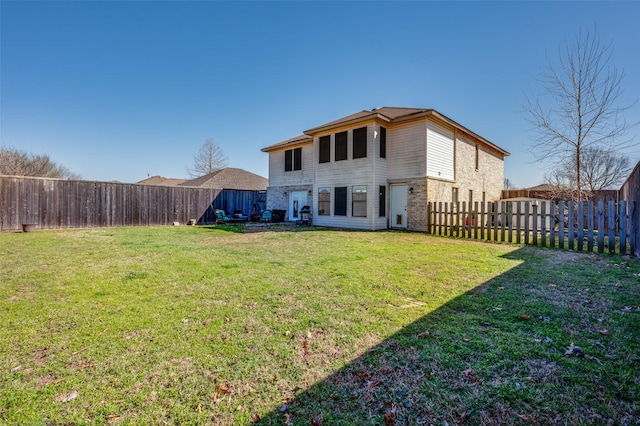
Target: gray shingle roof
{"x":230,"y":178}
{"x":161,"y":180}
{"x":385,"y":114}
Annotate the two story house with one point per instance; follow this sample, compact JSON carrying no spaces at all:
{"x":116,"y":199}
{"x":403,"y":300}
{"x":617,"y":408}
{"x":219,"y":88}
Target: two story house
{"x":379,"y":168}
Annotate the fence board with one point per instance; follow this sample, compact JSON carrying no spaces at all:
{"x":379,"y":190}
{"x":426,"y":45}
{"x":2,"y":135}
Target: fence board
{"x":553,"y":219}
{"x":622,"y":210}
{"x":580,"y":226}
{"x":590,"y":226}
{"x":561,"y":224}
{"x":543,"y":228}
{"x":570,"y":225}
{"x":510,"y":227}
{"x":600,"y":227}
{"x":483,"y":220}
{"x":612,"y":227}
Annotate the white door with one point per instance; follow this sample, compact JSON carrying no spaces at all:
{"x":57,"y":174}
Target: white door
{"x":398,"y":218}
{"x":297,"y":200}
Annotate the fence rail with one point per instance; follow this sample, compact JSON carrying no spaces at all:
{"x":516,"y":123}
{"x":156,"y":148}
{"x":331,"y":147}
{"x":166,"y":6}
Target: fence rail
{"x":583,"y":226}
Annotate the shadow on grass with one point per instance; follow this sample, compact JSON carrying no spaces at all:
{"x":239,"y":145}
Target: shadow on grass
{"x":493,"y":355}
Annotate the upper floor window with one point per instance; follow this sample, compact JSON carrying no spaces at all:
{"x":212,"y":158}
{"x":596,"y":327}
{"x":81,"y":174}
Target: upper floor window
{"x":325,"y":149}
{"x":293,"y":159}
{"x":360,"y":142}
{"x":477,"y":157}
{"x":341,"y":146}
{"x":383,"y":142}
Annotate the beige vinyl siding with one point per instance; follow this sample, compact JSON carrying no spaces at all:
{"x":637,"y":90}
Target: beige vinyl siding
{"x":347,"y":173}
{"x":440,"y":152}
{"x":277,"y":175}
{"x":406,"y":145}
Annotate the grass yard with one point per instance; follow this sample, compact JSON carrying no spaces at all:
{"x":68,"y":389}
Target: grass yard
{"x":209,"y":325}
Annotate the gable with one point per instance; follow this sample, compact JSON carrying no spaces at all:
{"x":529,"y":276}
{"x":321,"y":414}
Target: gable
{"x":440,"y":152}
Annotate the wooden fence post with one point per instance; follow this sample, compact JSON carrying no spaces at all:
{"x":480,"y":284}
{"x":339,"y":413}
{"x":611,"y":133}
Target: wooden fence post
{"x":543,"y":223}
{"x":590,"y":225}
{"x":535,"y":223}
{"x":633,"y":242}
{"x":561,"y":224}
{"x":445,"y":222}
{"x":510,"y":216}
{"x":526,"y":223}
{"x":612,"y":227}
{"x":483,"y":222}
{"x":475,"y":220}
{"x":553,"y":219}
{"x":580,"y":225}
{"x":570,"y":223}
{"x":601,"y":230}
{"x":622,"y":220}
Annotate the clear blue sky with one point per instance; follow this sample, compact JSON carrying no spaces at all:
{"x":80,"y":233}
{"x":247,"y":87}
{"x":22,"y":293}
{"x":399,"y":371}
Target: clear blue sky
{"x":120,"y":90}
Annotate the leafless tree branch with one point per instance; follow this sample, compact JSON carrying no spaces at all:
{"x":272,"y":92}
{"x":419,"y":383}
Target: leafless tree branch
{"x":578,"y":112}
{"x":210,"y":157}
{"x":20,"y":163}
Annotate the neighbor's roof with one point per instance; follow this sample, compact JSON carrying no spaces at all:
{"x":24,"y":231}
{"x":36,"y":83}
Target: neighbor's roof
{"x":541,"y":187}
{"x":161,"y":180}
{"x":230,"y":178}
{"x":388,"y":115}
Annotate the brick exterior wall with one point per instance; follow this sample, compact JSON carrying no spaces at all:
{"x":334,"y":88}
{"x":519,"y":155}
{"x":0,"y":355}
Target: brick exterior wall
{"x":487,"y":178}
{"x":417,"y":204}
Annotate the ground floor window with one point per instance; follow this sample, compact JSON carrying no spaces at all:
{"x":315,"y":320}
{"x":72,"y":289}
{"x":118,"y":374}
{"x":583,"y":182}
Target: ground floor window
{"x":340,"y":203}
{"x":324,"y":201}
{"x":359,"y":201}
{"x":382,"y":201}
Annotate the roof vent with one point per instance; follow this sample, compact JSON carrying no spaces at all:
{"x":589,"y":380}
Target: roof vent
{"x":375,"y":108}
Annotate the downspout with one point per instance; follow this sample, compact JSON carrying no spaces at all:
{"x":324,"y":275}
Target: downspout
{"x":374,"y":158}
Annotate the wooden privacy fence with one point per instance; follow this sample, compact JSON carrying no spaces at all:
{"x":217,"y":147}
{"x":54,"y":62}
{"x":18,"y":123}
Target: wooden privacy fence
{"x":582,"y":226}
{"x":55,"y":203}
{"x":630,"y":191}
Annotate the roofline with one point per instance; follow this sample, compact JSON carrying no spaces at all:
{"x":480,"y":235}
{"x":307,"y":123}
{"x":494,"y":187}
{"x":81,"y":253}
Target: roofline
{"x":376,"y":115}
{"x":424,"y":113}
{"x":298,"y":140}
{"x":372,"y":116}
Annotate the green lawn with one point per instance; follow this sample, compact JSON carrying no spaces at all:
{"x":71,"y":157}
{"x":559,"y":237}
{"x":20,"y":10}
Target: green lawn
{"x":206,"y":325}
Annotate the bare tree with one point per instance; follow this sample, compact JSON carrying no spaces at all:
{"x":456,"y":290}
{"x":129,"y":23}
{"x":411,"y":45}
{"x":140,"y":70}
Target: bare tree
{"x":20,"y":163}
{"x":578,"y":110}
{"x":599,"y":170}
{"x":508,"y":184}
{"x":209,"y":158}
